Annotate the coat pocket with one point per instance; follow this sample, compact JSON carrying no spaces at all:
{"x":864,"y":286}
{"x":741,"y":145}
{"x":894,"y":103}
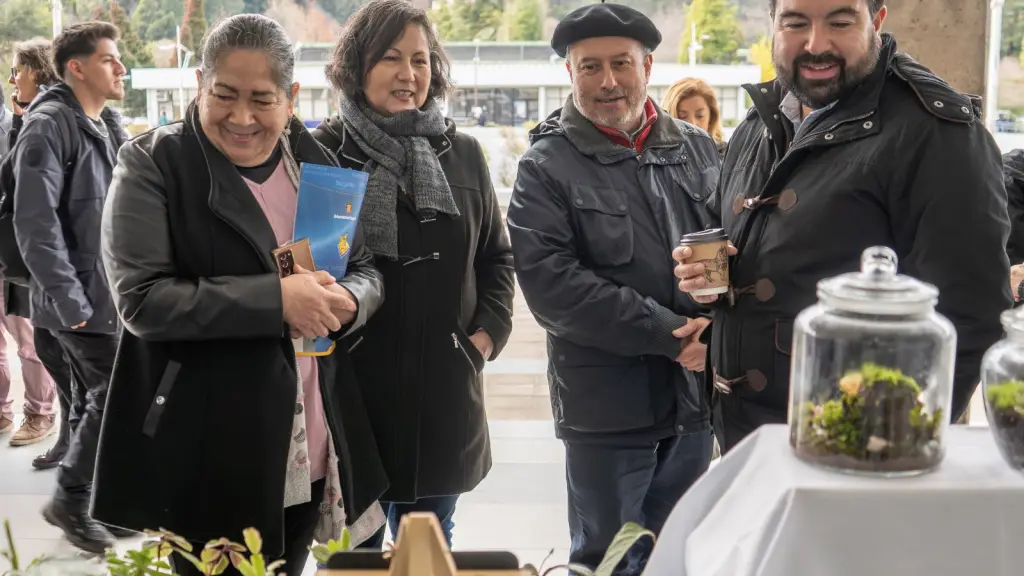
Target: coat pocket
{"x":605,"y":229}
{"x":163,"y":392}
{"x":465,"y":346}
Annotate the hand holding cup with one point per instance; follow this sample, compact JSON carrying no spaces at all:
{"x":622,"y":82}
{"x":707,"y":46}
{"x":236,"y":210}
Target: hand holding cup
{"x":703,"y":269}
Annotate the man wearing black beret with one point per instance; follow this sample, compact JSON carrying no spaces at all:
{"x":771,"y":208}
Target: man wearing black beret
{"x":609,"y":186}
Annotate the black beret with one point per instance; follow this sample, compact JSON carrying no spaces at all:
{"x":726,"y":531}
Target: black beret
{"x":604,"y":20}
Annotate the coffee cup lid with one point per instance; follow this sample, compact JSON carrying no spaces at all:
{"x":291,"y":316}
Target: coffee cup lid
{"x":704,"y":236}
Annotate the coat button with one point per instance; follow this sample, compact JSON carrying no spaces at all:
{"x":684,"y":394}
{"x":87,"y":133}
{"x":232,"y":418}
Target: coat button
{"x":764,"y":290}
{"x":160,"y":400}
{"x":764,"y":90}
{"x":965,"y":109}
{"x":939,"y":104}
{"x":579,"y":202}
{"x":829,"y":136}
{"x":868,"y":125}
{"x":787,"y":199}
{"x":737,"y":204}
{"x":756,"y":380}
{"x":681,"y":428}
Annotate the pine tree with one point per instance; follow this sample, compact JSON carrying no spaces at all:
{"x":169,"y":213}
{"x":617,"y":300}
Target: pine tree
{"x":717,"y":31}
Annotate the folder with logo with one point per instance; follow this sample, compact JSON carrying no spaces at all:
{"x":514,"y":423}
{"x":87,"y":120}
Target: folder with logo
{"x":329,"y":202}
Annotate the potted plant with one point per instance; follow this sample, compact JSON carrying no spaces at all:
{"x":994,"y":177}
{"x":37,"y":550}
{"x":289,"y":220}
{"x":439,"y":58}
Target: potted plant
{"x":878,"y":424}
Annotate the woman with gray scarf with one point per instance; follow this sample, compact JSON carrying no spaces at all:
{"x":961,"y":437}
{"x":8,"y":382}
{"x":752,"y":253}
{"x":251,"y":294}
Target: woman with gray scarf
{"x":434,"y":226}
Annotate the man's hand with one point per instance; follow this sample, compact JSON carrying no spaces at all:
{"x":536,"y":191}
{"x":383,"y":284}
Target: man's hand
{"x":1016,"y":277}
{"x":77,"y":326}
{"x":483,"y":343}
{"x":691,"y":276}
{"x":692,"y":354}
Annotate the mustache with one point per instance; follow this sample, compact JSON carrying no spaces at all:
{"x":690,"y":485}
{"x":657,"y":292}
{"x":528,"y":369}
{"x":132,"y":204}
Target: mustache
{"x":824,"y":58}
{"x":610,"y":94}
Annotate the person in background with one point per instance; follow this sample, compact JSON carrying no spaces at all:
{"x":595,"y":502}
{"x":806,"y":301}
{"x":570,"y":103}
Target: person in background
{"x":213,"y":424}
{"x":31,"y":74}
{"x":435,"y":228}
{"x":163,"y":119}
{"x":58,"y":202}
{"x":608,"y":187}
{"x":693,"y":100}
{"x":853,"y":145}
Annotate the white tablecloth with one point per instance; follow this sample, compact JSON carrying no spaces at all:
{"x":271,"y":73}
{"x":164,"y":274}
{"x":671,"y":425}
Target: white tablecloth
{"x":763,"y":512}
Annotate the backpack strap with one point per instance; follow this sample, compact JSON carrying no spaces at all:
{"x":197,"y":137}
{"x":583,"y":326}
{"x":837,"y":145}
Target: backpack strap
{"x":67,"y":125}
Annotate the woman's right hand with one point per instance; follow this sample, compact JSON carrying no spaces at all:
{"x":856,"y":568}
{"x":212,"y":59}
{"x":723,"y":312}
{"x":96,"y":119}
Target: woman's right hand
{"x":15,"y":106}
{"x":308,"y":305}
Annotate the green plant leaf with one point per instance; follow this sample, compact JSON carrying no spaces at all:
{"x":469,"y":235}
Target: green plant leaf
{"x":259,"y":566}
{"x":274,"y":566}
{"x":630,"y":533}
{"x":346,"y":540}
{"x":321,"y":553}
{"x":243,"y":565}
{"x":253,"y":540}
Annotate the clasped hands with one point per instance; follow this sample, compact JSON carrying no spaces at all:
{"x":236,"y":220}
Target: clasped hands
{"x":692,"y":353}
{"x":315,"y":304}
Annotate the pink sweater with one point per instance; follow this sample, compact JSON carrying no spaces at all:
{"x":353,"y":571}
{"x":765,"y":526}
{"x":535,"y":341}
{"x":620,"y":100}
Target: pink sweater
{"x":278,"y":199}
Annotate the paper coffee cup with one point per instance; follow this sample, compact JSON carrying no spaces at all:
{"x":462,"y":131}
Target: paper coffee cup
{"x":710,"y":248}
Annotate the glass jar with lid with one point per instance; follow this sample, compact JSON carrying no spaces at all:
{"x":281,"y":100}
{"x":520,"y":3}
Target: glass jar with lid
{"x":872,"y":373}
{"x":1002,"y":380}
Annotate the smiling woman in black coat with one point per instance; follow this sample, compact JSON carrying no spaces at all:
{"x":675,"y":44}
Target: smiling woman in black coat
{"x":434,"y":226}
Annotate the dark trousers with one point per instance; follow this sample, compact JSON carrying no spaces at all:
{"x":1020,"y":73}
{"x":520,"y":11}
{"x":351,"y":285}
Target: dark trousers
{"x":55,"y":361}
{"x":299,"y":525}
{"x":442,"y":506}
{"x":612,"y":484}
{"x":91,"y":357}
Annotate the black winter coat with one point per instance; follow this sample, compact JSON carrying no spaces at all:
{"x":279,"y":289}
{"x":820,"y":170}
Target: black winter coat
{"x":903,"y":162}
{"x":1013,"y":178}
{"x":199,"y":413}
{"x":420,"y":374}
{"x":593,"y":225}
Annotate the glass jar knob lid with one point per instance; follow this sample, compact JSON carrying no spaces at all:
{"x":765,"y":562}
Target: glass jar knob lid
{"x":878,"y":288}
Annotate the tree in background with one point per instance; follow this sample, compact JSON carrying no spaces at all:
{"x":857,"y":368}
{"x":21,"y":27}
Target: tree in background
{"x":193,"y":26}
{"x":717,"y":31}
{"x":158,"y":19}
{"x":1013,"y":28}
{"x":216,"y":10}
{"x":21,"y":20}
{"x":340,"y":10}
{"x":475,"y":20}
{"x":443,"y":19}
{"x":526,"y":21}
{"x":761,"y":54}
{"x":308,"y":24}
{"x":134,"y":52}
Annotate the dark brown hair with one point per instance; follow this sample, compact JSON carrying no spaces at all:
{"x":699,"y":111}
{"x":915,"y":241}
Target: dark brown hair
{"x":80,"y":40}
{"x":35,"y":55}
{"x":367,"y":37}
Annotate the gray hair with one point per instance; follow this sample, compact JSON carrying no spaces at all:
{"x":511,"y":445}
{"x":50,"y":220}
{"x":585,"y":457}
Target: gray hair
{"x":250,"y":32}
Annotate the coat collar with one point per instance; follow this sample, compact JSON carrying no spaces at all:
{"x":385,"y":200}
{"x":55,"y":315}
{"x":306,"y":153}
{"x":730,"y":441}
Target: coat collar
{"x":229,"y":196}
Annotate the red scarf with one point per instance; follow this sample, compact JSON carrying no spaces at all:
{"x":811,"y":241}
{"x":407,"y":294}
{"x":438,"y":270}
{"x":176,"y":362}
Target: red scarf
{"x":620,"y":137}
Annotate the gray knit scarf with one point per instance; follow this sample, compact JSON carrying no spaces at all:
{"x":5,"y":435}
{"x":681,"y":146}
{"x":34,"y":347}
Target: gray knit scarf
{"x":401,"y":158}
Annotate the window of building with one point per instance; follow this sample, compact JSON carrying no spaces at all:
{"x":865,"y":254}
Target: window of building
{"x":501,"y":106}
{"x":727,"y":102}
{"x":555,"y":97}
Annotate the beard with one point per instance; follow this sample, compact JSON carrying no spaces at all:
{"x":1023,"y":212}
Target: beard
{"x":815,"y":93}
{"x":591,"y":108}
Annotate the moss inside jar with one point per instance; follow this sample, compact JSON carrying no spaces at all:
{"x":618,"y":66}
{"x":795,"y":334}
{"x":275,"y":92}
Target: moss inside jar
{"x":878,"y":424}
{"x":1005,"y":402}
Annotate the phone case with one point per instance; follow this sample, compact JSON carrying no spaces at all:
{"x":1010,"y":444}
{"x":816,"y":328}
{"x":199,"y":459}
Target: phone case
{"x":286,"y":257}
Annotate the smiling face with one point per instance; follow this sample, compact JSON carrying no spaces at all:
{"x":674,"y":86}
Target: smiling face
{"x":822,"y":49}
{"x":401,"y":80}
{"x":23,"y":79}
{"x":609,"y":80}
{"x":242,"y":110}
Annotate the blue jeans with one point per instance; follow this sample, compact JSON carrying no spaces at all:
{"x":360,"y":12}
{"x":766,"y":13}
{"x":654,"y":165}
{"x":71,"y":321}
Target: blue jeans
{"x":442,"y":506}
{"x":628,"y":481}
